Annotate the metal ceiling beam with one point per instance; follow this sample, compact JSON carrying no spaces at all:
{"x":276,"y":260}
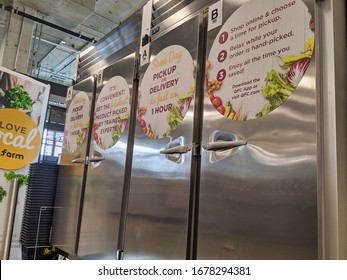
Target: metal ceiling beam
{"x":36,"y":19}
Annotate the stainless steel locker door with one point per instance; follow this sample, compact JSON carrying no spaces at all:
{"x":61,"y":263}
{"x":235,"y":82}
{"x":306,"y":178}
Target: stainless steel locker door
{"x":72,"y":167}
{"x":258,"y":196}
{"x":106,"y":161}
{"x":156,"y":225}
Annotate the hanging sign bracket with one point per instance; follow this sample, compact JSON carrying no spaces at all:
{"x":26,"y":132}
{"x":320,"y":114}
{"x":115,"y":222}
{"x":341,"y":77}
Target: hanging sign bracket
{"x":146,"y":33}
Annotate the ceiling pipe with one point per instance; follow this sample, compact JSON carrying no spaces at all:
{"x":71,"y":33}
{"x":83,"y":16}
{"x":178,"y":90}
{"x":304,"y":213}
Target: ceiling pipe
{"x":19,"y":41}
{"x":58,"y":46}
{"x":36,"y":19}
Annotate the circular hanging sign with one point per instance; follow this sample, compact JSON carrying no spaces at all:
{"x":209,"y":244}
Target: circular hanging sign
{"x":111,"y":112}
{"x":20,"y":139}
{"x":166,"y":91}
{"x":77,"y":122}
{"x":259,"y":57}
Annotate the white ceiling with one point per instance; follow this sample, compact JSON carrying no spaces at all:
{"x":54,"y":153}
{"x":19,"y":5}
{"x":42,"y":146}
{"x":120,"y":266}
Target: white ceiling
{"x":55,"y":51}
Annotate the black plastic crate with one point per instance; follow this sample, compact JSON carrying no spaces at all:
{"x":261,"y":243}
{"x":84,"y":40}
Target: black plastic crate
{"x":42,"y":253}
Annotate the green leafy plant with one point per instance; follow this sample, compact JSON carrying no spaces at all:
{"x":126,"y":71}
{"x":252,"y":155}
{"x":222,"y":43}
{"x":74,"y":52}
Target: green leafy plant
{"x":3,"y":193}
{"x":18,"y":98}
{"x":22,"y":180}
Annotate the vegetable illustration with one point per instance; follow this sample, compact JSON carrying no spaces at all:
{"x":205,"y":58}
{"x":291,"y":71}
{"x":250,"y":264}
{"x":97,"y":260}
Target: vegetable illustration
{"x":276,"y":84}
{"x":18,"y":98}
{"x":276,"y":90}
{"x":79,"y":139}
{"x":279,"y":86}
{"x":116,"y":133}
{"x":185,"y":99}
{"x":174,"y":119}
{"x":95,"y":127}
{"x":227,"y":109}
{"x":290,"y":59}
{"x":297,"y":71}
{"x":221,"y":109}
{"x":141,"y":111}
{"x":231,"y":115}
{"x":210,"y":95}
{"x":146,"y":128}
{"x":149,"y":130}
{"x":142,"y":123}
{"x":310,"y":46}
{"x":216,"y":102}
{"x":311,"y":24}
{"x":214,"y":85}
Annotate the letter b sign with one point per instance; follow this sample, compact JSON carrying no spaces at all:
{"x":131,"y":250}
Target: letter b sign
{"x":215,"y":15}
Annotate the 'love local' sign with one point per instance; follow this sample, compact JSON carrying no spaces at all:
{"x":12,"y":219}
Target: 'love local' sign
{"x":19,"y":139}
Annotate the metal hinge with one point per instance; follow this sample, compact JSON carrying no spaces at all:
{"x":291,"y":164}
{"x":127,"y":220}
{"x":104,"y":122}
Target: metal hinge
{"x":196,"y":149}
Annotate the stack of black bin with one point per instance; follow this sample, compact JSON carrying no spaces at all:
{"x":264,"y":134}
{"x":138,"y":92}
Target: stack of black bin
{"x":38,"y":211}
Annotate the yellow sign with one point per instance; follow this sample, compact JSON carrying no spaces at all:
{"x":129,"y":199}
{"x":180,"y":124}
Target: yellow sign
{"x":19,"y":139}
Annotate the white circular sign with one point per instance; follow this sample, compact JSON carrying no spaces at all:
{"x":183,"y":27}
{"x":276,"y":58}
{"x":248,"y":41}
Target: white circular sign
{"x":166,"y":91}
{"x":111,"y":113}
{"x":77,"y":122}
{"x":259,"y":57}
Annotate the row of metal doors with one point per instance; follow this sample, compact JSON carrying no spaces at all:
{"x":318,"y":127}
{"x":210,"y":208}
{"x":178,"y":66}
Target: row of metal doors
{"x":177,"y":159}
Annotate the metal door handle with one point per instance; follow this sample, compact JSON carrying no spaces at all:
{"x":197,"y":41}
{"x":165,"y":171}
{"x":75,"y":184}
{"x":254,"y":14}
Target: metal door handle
{"x":96,"y":159}
{"x":175,"y":150}
{"x":221,"y":145}
{"x":78,"y":160}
